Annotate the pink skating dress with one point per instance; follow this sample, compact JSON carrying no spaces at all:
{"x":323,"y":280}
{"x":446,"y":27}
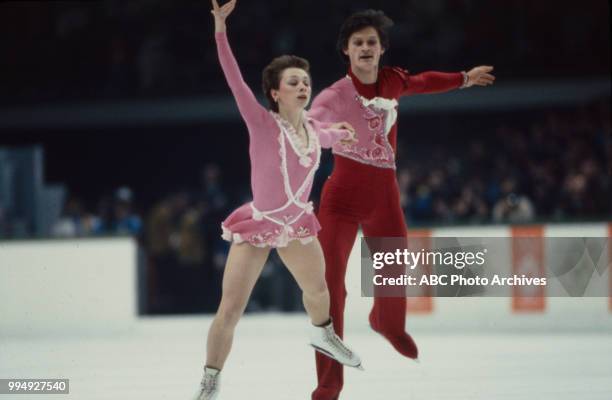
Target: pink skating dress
{"x":282,"y":170}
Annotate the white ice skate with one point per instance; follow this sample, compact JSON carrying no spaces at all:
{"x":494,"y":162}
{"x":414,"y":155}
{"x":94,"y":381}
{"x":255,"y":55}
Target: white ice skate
{"x":325,"y":341}
{"x":209,"y":387}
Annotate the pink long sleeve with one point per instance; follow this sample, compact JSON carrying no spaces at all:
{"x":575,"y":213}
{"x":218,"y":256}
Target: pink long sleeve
{"x":325,"y":107}
{"x":324,"y":111}
{"x":250,"y":109}
{"x":329,"y":137}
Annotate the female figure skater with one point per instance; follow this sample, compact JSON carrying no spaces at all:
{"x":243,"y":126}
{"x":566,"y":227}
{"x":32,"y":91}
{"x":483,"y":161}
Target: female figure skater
{"x":285,"y":146}
{"x":363,"y":189}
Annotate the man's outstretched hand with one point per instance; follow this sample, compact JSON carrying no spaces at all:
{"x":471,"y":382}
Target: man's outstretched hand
{"x":480,"y":76}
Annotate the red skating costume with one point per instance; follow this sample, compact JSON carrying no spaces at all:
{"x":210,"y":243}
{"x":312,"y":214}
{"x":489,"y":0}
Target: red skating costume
{"x":363,"y":190}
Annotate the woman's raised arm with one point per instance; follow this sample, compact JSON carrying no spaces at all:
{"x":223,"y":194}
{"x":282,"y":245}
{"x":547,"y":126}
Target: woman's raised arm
{"x":249,"y":107}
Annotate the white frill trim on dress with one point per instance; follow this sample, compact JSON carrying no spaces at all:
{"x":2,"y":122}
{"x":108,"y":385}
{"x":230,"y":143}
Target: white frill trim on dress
{"x":271,"y":239}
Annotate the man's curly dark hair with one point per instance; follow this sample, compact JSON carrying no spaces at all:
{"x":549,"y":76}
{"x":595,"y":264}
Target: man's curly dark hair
{"x":361,"y":20}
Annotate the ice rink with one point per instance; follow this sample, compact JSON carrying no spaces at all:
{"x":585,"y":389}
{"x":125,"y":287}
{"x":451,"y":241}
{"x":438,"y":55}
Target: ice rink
{"x":161,"y":358}
{"x":470,"y":348}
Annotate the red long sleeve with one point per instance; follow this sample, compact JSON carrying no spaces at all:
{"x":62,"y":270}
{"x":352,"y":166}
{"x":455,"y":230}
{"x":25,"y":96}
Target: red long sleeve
{"x":394,"y":82}
{"x":432,"y":82}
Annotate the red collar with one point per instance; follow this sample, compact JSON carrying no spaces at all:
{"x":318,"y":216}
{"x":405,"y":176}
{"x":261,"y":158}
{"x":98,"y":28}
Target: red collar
{"x":367,"y":90}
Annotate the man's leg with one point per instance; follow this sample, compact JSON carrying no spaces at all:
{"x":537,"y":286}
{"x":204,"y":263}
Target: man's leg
{"x":388,"y":315}
{"x":337,"y":238}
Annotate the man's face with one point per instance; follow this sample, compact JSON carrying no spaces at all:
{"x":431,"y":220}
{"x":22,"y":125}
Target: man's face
{"x":364,"y":49}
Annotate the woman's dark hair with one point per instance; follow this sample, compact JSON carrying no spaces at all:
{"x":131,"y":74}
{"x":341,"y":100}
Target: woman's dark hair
{"x":361,"y":20}
{"x":272,"y":74}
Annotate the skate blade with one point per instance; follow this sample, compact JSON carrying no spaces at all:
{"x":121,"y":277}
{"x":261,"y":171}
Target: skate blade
{"x":328,"y":354}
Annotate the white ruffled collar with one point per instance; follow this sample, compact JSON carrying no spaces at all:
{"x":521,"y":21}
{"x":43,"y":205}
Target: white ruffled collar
{"x":299,"y":147}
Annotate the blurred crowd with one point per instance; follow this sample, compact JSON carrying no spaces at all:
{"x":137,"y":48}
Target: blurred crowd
{"x":115,"y":49}
{"x":555,"y":168}
{"x":114,"y":215}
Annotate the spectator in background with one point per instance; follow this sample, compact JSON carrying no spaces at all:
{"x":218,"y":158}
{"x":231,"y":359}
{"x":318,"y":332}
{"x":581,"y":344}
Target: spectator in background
{"x":125,"y":220}
{"x":404,"y":180}
{"x":193,"y":273}
{"x":74,"y":221}
{"x":191,"y":250}
{"x":163,"y":240}
{"x":116,"y":215}
{"x":470,"y":207}
{"x":212,"y":191}
{"x":513,"y":209}
{"x":159,"y":228}
{"x":214,"y":202}
{"x":161,"y":258}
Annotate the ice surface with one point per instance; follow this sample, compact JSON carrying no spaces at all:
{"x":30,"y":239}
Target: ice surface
{"x":162,"y":358}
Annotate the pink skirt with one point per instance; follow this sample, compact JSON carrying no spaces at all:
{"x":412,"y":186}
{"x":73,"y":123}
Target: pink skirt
{"x":240,"y":227}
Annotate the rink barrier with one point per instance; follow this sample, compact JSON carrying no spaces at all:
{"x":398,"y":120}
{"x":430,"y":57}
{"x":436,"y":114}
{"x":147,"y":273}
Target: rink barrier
{"x":77,"y":285}
{"x":67,"y":286}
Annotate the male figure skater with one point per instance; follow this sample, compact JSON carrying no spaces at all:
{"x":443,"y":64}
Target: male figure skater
{"x":362,"y":189}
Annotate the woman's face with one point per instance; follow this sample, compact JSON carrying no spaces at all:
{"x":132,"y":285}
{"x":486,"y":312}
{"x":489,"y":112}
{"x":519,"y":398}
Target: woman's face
{"x":294,"y":89}
{"x":364,"y":49}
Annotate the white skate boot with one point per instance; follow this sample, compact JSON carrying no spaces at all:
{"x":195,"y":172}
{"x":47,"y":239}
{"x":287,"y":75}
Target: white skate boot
{"x":209,"y":387}
{"x":325,"y":341}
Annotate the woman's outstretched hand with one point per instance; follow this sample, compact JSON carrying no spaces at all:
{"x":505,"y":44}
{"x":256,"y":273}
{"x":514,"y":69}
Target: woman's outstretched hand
{"x":351,"y":136}
{"x":221,"y":13}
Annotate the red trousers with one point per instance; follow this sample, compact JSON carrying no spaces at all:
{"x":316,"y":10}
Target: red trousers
{"x":356,"y":194}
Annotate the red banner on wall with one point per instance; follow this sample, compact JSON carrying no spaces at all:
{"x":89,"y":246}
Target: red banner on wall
{"x":421,"y":302}
{"x":528,"y":260}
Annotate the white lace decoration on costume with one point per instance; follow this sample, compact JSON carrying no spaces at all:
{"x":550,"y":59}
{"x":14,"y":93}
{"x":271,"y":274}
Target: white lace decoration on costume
{"x":293,"y":198}
{"x":380,"y":103}
{"x":299,"y":147}
{"x":387,"y":105}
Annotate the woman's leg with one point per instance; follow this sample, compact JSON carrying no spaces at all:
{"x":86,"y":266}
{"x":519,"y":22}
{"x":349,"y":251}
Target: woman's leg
{"x":243,"y":267}
{"x":307,"y":265}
